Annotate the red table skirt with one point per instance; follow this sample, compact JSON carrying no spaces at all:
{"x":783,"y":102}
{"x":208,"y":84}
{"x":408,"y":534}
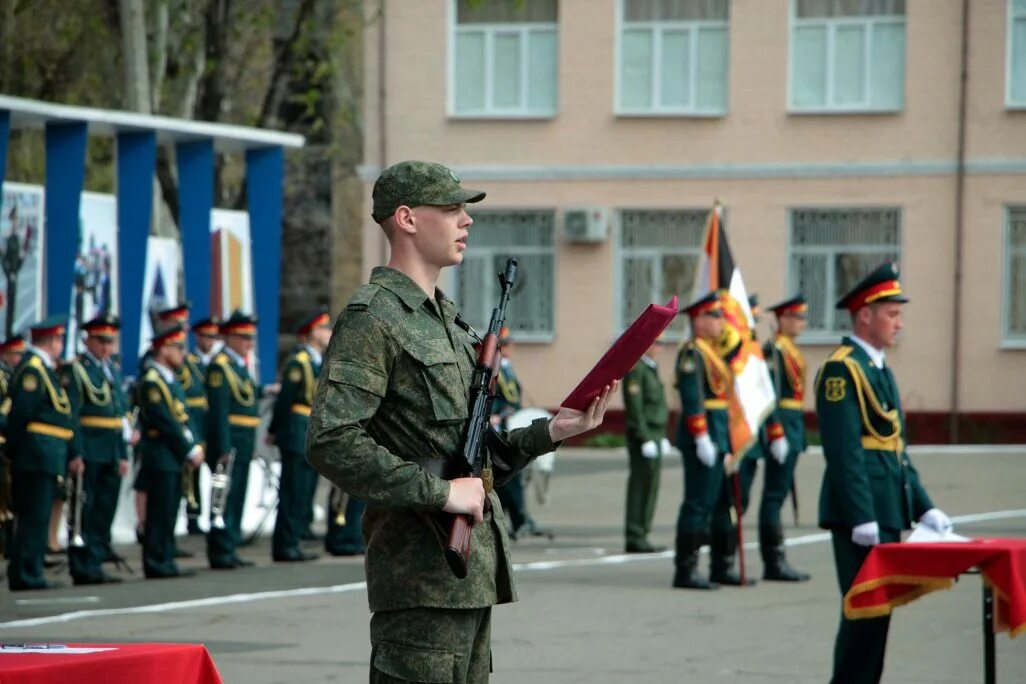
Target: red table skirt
{"x":894,"y":574}
{"x":126,"y":663}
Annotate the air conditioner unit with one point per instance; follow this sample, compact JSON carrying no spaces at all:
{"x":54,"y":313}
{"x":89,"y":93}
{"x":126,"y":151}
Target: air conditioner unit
{"x":585,"y":224}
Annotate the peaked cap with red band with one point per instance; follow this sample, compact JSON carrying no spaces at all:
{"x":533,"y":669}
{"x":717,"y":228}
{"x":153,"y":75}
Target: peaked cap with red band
{"x":13,"y":345}
{"x":318,"y":320}
{"x":240,"y":324}
{"x":207,"y":326}
{"x":173,"y":335}
{"x":178,"y":314}
{"x":879,"y":286}
{"x":709,"y":304}
{"x":51,"y":326}
{"x":103,"y":326}
{"x":794,"y":305}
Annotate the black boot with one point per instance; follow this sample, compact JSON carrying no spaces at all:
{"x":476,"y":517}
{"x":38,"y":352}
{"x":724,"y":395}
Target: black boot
{"x":774,"y":562}
{"x":722,"y":550}
{"x":686,"y":575}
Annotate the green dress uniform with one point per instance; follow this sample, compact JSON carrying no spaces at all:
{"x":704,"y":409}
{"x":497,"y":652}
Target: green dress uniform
{"x":41,"y":431}
{"x":703,"y":379}
{"x":388,"y":415}
{"x":192,"y":378}
{"x":100,"y":408}
{"x":645,"y":405}
{"x":289,"y":426}
{"x":232,"y":423}
{"x":166,"y":441}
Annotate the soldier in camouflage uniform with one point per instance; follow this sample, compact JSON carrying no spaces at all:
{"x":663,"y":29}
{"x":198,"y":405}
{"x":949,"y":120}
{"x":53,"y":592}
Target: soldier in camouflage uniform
{"x":871,"y":491}
{"x":644,"y":403}
{"x":168,"y":444}
{"x":288,"y":430}
{"x":41,"y":441}
{"x":389,"y":414}
{"x":94,"y":387}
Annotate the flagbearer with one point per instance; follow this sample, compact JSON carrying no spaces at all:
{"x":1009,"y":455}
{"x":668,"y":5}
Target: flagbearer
{"x":787,"y":368}
{"x":168,"y":444}
{"x":41,"y":443}
{"x":703,"y":380}
{"x":231,"y":426}
{"x":94,"y":389}
{"x":871,"y":491}
{"x":288,"y":431}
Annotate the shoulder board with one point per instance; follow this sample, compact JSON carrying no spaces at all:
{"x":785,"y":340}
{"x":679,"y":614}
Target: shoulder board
{"x":221,"y":359}
{"x":840,"y":353}
{"x":302,"y":356}
{"x":152,"y":375}
{"x":363,"y":297}
{"x":36,"y":362}
{"x":192,"y":357}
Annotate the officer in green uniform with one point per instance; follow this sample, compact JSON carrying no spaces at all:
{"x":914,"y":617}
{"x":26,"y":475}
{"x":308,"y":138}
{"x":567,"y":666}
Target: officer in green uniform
{"x":192,"y":376}
{"x":41,"y":439}
{"x":703,"y":380}
{"x":232,"y":423}
{"x":11,"y":351}
{"x":783,"y":440}
{"x":168,"y":445}
{"x":94,"y":388}
{"x":288,"y":430}
{"x":389,"y":414}
{"x":871,"y":491}
{"x":644,"y":401}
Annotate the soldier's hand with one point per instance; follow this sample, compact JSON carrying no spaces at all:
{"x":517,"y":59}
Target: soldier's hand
{"x":273,"y":389}
{"x":196,"y":457}
{"x":650,"y":449}
{"x":136,"y":436}
{"x":705,"y":450}
{"x":937,"y":520}
{"x":224,"y":459}
{"x":664,"y":446}
{"x":76,"y":465}
{"x":866,"y":534}
{"x":779,"y":449}
{"x":466,"y":496}
{"x":569,"y":422}
{"x":123,"y":467}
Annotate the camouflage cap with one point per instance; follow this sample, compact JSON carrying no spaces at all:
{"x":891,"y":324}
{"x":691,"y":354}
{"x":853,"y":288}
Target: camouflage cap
{"x":417,"y":183}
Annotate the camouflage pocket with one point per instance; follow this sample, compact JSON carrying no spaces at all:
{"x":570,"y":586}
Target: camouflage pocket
{"x":411,"y":664}
{"x":444,"y":384}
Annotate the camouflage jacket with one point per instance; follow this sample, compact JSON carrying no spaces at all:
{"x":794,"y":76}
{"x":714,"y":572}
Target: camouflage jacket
{"x":394,"y":388}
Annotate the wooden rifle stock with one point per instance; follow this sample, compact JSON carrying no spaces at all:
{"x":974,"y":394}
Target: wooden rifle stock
{"x":457,"y":550}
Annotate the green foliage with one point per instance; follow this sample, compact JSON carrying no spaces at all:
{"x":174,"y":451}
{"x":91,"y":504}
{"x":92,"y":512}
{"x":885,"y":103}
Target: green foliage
{"x":606,"y":440}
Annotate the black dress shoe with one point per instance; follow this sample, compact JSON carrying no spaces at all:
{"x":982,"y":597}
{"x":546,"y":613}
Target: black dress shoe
{"x":242,"y":563}
{"x":297,"y":557}
{"x":182,"y":553}
{"x":99,"y":579}
{"x":222,"y":565}
{"x":643,"y":547}
{"x":171,"y":575}
{"x":47,"y":584}
{"x":346,"y":552}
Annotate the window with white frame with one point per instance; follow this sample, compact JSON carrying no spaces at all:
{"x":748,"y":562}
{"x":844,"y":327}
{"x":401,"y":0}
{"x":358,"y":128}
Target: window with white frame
{"x":659,"y":256}
{"x":831,"y":250}
{"x":1016,"y":53}
{"x":1015,"y":277}
{"x":504,"y":58}
{"x":529,"y":237}
{"x":848,"y":55}
{"x":673,"y":57}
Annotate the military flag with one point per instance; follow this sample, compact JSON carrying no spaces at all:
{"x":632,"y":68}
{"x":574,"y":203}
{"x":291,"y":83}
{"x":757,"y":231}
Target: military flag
{"x":752,"y":398}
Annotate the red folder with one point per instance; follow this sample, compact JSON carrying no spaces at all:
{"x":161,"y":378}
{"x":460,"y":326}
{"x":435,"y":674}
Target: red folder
{"x":624,"y":354}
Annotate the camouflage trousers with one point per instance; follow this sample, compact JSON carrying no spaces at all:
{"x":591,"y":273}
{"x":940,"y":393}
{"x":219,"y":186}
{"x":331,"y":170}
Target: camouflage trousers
{"x":431,"y":645}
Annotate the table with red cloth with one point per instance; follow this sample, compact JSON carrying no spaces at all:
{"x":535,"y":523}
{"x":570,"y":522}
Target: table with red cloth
{"x":894,"y":574}
{"x":123,"y":663}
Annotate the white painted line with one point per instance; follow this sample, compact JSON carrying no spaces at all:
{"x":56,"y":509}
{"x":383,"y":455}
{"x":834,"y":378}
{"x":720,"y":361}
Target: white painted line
{"x":59,"y":600}
{"x":617,"y":559}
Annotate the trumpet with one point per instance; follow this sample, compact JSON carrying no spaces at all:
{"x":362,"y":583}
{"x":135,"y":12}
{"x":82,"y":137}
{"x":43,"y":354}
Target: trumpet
{"x":338,"y":501}
{"x":220,"y":484}
{"x":75,"y":496}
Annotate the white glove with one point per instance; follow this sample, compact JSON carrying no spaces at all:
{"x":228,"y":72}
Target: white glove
{"x":126,"y":429}
{"x":937,"y":520}
{"x":778,"y":449}
{"x":650,"y":449}
{"x":664,"y":446}
{"x":866,"y":534}
{"x":705,"y":450}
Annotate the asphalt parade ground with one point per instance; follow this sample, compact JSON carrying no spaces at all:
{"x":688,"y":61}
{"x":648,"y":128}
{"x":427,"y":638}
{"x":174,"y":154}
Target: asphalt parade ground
{"x":587,"y":613}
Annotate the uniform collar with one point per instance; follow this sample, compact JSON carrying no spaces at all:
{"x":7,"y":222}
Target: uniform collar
{"x":89,"y":355}
{"x":649,"y":361}
{"x":233,"y":355}
{"x":207,"y":358}
{"x":42,"y":355}
{"x":877,"y":356}
{"x":164,"y":371}
{"x":314,"y":354}
{"x":402,"y":286}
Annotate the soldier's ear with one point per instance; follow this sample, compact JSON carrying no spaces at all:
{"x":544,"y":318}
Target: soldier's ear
{"x":403,"y":220}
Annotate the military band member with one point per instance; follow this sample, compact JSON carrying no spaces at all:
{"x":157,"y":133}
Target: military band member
{"x":871,"y":491}
{"x":345,"y":524}
{"x":41,"y":442}
{"x":388,"y":414}
{"x":193,"y":377}
{"x":288,"y":431}
{"x":167,"y":445}
{"x":703,"y":380}
{"x":232,"y":422}
{"x":100,"y":407}
{"x":787,"y":369}
{"x":644,"y":403}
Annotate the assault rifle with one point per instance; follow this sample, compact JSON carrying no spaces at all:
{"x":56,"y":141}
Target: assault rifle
{"x":476,"y":439}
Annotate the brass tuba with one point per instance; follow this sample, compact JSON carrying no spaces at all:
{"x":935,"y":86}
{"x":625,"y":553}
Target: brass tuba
{"x":220,"y":484}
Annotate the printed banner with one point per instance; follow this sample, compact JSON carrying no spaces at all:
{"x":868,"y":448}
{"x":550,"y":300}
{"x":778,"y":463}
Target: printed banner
{"x":95,"y":287}
{"x":21,"y":256}
{"x":160,"y":285}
